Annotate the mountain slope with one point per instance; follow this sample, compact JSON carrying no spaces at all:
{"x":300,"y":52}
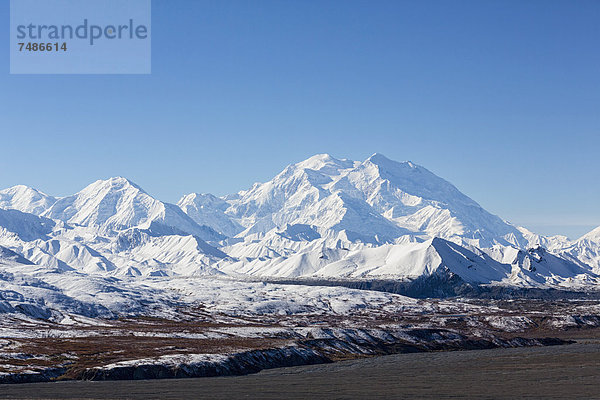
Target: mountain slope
{"x":535,"y":267}
{"x":25,"y":199}
{"x":586,"y":249}
{"x":118,"y":204}
{"x":209,"y":210}
{"x":375,"y":201}
{"x":301,"y":194}
{"x":401,"y":261}
{"x":9,"y":256}
{"x":417,"y":199}
{"x":26,"y":226}
{"x":593,"y":236}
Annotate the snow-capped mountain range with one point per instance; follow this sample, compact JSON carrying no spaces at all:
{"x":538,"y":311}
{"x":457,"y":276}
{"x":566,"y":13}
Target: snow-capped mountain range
{"x":321,"y":218}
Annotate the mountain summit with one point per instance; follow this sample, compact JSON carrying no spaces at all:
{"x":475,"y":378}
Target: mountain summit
{"x":593,"y":236}
{"x":118,"y":204}
{"x":376,"y":200}
{"x":25,"y":199}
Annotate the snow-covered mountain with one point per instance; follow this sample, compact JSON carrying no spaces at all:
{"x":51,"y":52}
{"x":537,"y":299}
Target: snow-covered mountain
{"x":593,"y":236}
{"x":9,"y":256}
{"x":110,"y":227}
{"x":535,"y":267}
{"x":118,"y":204}
{"x":586,"y":249}
{"x":25,"y":199}
{"x":306,"y":194}
{"x":389,"y":261}
{"x":23,"y":225}
{"x":418,"y":200}
{"x":375,"y":201}
{"x":322,"y":218}
{"x":209,"y":210}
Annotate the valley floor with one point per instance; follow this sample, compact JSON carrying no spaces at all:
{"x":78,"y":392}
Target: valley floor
{"x":556,"y":372}
{"x":204,"y":342}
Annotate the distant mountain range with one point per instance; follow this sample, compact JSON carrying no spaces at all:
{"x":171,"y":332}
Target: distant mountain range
{"x":322,"y":218}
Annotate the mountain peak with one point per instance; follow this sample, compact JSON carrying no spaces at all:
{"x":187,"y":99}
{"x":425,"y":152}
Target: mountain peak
{"x":209,"y":210}
{"x":104,"y":187}
{"x":377,"y":197}
{"x":382,"y":161}
{"x":202,"y":200}
{"x":117,"y":183}
{"x":117,"y":204}
{"x":25,"y":199}
{"x":322,"y":157}
{"x":21,"y":189}
{"x":378,"y":157}
{"x":593,"y":236}
{"x":324,"y":162}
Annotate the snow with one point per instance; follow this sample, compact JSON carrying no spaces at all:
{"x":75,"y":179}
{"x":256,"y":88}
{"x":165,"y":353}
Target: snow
{"x":72,"y":297}
{"x":321,"y":218}
{"x":25,"y":199}
{"x":170,"y":360}
{"x":209,"y":210}
{"x":26,"y":226}
{"x":374,"y":201}
{"x":593,"y":236}
{"x":118,"y":204}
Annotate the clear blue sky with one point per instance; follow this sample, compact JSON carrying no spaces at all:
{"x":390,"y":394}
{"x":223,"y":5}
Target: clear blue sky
{"x":501,"y":98}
